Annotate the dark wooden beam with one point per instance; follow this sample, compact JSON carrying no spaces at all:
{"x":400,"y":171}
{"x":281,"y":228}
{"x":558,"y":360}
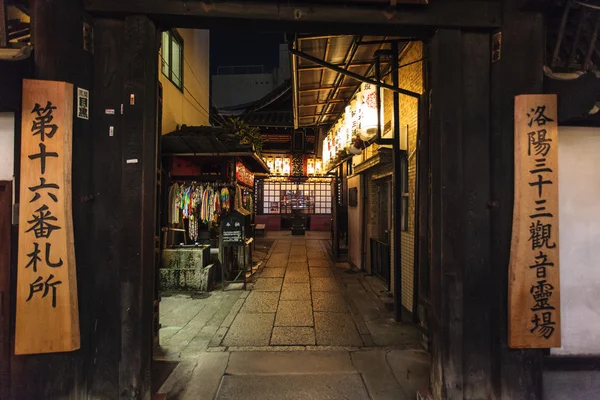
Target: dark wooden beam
{"x":475,"y":154}
{"x":3,"y":26}
{"x":107,"y":164}
{"x":518,"y":374}
{"x":138,"y":196}
{"x":318,"y":115}
{"x":323,"y":104}
{"x":461,"y":268}
{"x":447,"y":229}
{"x":323,"y":88}
{"x":460,"y":13}
{"x":317,"y":37}
{"x":320,"y":67}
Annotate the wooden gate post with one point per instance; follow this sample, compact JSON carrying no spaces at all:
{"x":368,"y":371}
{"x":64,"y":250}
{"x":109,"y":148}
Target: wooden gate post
{"x":471,"y":150}
{"x":138,"y":197}
{"x":518,"y":71}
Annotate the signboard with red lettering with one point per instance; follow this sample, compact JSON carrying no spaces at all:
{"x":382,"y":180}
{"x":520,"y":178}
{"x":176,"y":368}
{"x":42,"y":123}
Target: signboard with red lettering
{"x":243,"y":174}
{"x":534,"y":289}
{"x":47,"y":316}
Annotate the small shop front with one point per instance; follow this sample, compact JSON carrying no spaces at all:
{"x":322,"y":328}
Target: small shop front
{"x":200,"y":189}
{"x":296,"y":190}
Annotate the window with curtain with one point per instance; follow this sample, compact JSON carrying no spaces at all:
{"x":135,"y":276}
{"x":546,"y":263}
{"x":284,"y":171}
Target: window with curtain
{"x":172,"y":57}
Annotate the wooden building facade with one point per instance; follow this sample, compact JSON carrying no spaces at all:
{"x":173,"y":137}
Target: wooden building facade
{"x":465,"y":147}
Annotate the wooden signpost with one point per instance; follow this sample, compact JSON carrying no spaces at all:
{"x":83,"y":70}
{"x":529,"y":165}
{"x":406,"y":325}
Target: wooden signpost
{"x":534,"y":290}
{"x":47,"y":318}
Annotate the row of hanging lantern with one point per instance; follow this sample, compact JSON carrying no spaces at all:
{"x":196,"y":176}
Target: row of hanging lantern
{"x":282,"y":165}
{"x":279,"y":165}
{"x":355,"y":128}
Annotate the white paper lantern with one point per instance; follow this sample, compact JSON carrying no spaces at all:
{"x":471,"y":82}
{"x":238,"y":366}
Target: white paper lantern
{"x":368,"y":117}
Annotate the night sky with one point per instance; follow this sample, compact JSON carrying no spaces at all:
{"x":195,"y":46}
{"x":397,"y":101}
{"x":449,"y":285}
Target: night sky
{"x":229,"y":48}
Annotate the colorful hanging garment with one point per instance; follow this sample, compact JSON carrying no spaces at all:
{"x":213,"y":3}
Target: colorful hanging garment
{"x":204,"y":207}
{"x":217,"y":201}
{"x":174,"y":201}
{"x":210,"y":206}
{"x":193,"y":228}
{"x":225,"y":199}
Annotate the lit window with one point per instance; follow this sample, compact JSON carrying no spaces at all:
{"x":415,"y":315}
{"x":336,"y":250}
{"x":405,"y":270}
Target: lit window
{"x":172,"y":57}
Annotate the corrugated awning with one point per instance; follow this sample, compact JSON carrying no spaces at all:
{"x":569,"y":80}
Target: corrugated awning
{"x":210,"y":141}
{"x":322,"y":93}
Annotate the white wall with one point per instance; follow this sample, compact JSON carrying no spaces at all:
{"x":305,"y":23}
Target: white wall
{"x":7,"y":146}
{"x":579,"y":224}
{"x":355,"y":224}
{"x":233,"y":90}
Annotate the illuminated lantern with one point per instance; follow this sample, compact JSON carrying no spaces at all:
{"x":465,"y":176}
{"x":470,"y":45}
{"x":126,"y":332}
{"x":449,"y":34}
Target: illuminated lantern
{"x":270,"y":163}
{"x":369,"y":120}
{"x":318,"y":167}
{"x":310,"y":166}
{"x":286,"y":166}
{"x":325,"y":153}
{"x":278,"y":165}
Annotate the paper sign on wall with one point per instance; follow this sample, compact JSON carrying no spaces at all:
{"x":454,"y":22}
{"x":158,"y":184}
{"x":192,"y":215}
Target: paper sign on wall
{"x":534,"y":290}
{"x":47,"y":318}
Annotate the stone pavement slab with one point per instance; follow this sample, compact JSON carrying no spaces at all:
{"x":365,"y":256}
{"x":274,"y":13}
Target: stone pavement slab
{"x":294,"y":313}
{"x":293,"y":387}
{"x":324,"y":285}
{"x":329,"y":301}
{"x":378,"y":377}
{"x":293,"y":335}
{"x":270,"y":362}
{"x":295,"y":291}
{"x":261,"y":302}
{"x":278,"y":260}
{"x":297,"y":264}
{"x":319,"y":263}
{"x":268,"y":284}
{"x":411,"y":369}
{"x":196,"y":380}
{"x":321,"y":272}
{"x":250,"y":329}
{"x":336,"y":329}
{"x":273,"y":272}
{"x":296,"y":276}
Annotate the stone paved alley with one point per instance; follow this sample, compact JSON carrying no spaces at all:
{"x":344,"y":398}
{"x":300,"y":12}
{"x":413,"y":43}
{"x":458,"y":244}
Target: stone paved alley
{"x":301,"y":304}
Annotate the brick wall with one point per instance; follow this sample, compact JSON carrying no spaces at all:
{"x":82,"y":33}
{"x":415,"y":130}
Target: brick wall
{"x":411,"y":78}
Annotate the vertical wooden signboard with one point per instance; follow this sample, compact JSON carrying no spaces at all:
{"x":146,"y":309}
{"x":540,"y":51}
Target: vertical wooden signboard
{"x":47,"y":319}
{"x":534,"y":291}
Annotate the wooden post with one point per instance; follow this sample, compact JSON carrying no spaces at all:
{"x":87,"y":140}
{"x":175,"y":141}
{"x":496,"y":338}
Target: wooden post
{"x":518,"y":374}
{"x":471,"y":214}
{"x":138,"y":189}
{"x":107,"y":135}
{"x":460,"y":135}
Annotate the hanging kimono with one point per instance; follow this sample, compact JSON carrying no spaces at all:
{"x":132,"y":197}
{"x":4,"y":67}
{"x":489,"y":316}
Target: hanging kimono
{"x":225,"y":199}
{"x":174,"y":202}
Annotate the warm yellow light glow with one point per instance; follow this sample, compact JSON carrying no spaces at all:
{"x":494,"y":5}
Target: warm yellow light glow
{"x":369,"y":118}
{"x":286,"y":166}
{"x":270,"y":163}
{"x":310,"y":166}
